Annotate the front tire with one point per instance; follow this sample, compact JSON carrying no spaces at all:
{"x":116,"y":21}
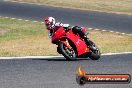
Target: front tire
{"x":69,"y":54}
{"x":94,"y":54}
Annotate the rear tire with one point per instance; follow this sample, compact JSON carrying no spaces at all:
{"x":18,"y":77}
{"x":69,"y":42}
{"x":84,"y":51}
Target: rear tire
{"x":69,"y":54}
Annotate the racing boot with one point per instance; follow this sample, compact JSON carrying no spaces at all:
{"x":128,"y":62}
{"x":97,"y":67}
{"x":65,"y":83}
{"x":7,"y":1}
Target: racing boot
{"x":77,"y":29}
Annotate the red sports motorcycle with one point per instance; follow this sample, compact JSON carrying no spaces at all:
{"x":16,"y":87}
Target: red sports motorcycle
{"x":72,"y":46}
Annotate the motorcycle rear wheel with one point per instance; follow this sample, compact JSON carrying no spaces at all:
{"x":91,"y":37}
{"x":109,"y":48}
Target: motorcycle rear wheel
{"x":69,"y":54}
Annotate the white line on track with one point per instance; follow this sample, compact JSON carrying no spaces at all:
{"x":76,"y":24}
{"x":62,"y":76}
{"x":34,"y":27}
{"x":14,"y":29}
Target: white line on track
{"x":44,"y":57}
{"x":104,"y":30}
{"x":111,"y":31}
{"x":97,"y":29}
{"x":6,"y":17}
{"x":13,"y":18}
{"x":35,"y":21}
{"x":31,"y":57}
{"x":42,"y":22}
{"x":108,"y":54}
{"x":117,"y":32}
{"x":26,"y":20}
{"x":20,"y":19}
{"x":123,"y":33}
{"x":90,"y":28}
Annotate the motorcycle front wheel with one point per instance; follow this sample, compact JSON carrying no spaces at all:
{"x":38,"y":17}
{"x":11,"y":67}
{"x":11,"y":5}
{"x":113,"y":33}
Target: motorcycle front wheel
{"x":95,"y":53}
{"x":68,"y":53}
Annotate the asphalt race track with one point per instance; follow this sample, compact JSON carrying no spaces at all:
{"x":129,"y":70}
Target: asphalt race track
{"x":58,"y":73}
{"x":114,"y":22}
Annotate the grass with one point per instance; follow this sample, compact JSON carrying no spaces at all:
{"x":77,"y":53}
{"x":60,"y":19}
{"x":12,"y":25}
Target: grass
{"x":124,"y":6}
{"x":15,"y":29}
{"x":20,"y":38}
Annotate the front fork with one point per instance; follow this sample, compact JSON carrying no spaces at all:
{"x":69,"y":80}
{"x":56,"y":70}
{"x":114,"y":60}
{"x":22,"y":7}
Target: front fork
{"x":66,"y":44}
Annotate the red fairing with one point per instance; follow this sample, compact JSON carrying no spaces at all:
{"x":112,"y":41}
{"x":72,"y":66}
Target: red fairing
{"x":78,"y":42}
{"x":48,"y":28}
{"x":58,"y":34}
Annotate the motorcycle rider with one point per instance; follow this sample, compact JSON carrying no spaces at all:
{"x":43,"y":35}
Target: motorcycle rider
{"x":52,"y":27}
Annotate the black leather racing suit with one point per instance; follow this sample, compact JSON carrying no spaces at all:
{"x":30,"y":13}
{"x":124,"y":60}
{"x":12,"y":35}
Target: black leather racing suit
{"x":78,"y":30}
